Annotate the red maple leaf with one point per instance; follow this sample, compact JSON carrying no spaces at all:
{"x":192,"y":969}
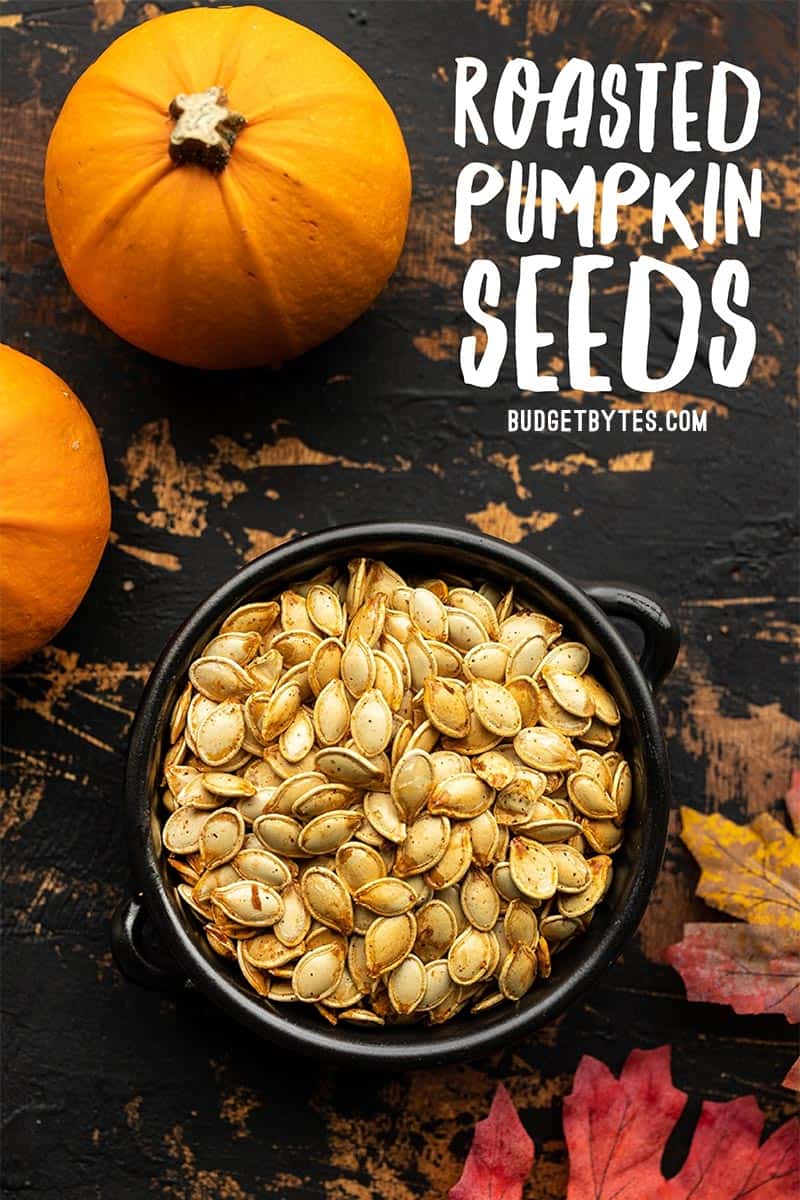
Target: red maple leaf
{"x":750,"y":967}
{"x":500,"y":1158}
{"x":616,"y":1130}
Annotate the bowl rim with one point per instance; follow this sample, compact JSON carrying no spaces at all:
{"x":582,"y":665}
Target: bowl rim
{"x":391,"y":1047}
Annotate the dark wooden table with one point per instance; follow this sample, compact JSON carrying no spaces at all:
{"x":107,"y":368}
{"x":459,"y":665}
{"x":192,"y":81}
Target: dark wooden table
{"x":114,"y":1092}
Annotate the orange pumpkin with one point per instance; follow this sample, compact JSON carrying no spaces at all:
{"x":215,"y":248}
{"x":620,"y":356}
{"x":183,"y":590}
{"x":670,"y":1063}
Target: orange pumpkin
{"x":225,"y":188}
{"x":54,"y":504}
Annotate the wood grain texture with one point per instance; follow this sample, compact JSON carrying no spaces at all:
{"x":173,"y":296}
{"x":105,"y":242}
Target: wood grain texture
{"x":115,"y":1093}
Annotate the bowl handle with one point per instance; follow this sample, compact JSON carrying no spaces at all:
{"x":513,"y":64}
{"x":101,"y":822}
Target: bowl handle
{"x":662,"y":635}
{"x":136,"y":961}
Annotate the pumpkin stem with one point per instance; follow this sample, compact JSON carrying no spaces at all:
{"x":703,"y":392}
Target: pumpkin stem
{"x":205,"y":129}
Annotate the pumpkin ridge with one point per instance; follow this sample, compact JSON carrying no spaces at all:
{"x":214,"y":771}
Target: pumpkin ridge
{"x":290,"y":105}
{"x":328,"y":200}
{"x":94,"y":229}
{"x":127,"y":89}
{"x":230,"y":202}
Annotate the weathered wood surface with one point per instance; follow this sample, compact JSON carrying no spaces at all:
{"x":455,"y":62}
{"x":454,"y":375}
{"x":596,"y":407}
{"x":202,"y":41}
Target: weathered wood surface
{"x":111,"y":1092}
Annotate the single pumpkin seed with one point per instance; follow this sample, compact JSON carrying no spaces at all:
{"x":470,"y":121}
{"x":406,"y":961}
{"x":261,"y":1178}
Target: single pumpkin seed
{"x":518,"y":973}
{"x":267,"y":953}
{"x":487,"y":660}
{"x":224,"y":783}
{"x":371,"y":723}
{"x":438,"y":985}
{"x":383,"y":815}
{"x":327,"y":899}
{"x":533,"y":869}
{"x":411,"y":783}
{"x":553,"y":716}
{"x":280,"y":834}
{"x":573,"y":870}
{"x":263,"y":866}
{"x":487,"y":1002}
{"x":483,"y":830}
{"x":462,"y":796}
{"x":464,"y":630}
{"x":428,"y":614}
{"x":368,"y":621}
{"x":425,"y":842}
{"x":581,"y":903}
{"x":495,"y":768}
{"x":318,"y":972}
{"x":259,"y":980}
{"x":219,"y":678}
{"x":347,"y":766}
{"x":297,"y":739}
{"x":606,"y":708}
{"x":177,"y":721}
{"x":220,"y":943}
{"x":266,"y":670}
{"x":325,"y":663}
{"x":386,"y":896}
{"x":496,"y":708}
{"x":406,"y":984}
{"x":357,"y":865}
{"x":449,"y":662}
{"x":181,"y":833}
{"x":605,"y":837}
{"x":357,"y":965}
{"x":471,"y":956}
{"x":249,"y":902}
{"x":524,"y":625}
{"x":282,"y":708}
{"x":296,"y":646}
{"x":221,"y":837}
{"x":478,"y":606}
{"x":445,"y":705}
{"x":504,"y":882}
{"x":545,"y":750}
{"x":437,"y":929}
{"x":252,"y":618}
{"x":221,"y":734}
{"x":388,"y":941}
{"x":325,"y":609}
{"x":479,"y":900}
{"x":589,"y":797}
{"x":323,"y":834}
{"x":570,"y":691}
{"x":622,"y":789}
{"x":331,"y":718}
{"x":455,"y":862}
{"x":525,"y":657}
{"x":421,"y":660}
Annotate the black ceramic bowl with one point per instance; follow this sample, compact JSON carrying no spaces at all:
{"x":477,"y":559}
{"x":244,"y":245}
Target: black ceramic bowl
{"x":179,"y":952}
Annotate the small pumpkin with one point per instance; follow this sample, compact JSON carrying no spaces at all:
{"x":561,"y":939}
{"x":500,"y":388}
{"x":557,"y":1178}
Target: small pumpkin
{"x":55,"y":510}
{"x":225,"y":188}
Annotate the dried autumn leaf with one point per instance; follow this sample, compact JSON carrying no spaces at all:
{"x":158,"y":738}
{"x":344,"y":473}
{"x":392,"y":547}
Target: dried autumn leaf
{"x":751,"y":872}
{"x":616,"y":1130}
{"x":500,"y":1158}
{"x":753,"y":970}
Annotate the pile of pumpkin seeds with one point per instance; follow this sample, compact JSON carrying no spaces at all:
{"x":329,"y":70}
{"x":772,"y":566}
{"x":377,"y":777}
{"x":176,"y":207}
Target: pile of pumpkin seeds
{"x":393,"y":800}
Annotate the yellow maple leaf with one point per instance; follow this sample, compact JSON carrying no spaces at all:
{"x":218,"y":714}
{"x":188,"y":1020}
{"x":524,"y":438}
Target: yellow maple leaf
{"x":750,"y":871}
